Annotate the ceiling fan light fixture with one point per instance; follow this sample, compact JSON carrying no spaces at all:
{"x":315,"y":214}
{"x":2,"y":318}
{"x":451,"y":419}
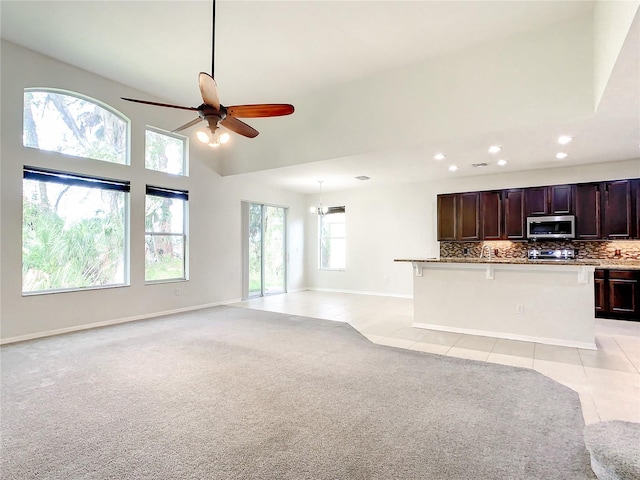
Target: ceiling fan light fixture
{"x":203,"y":136}
{"x":224,"y":137}
{"x":213,"y":112}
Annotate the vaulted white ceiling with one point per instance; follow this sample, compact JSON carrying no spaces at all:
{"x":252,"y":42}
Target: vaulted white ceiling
{"x":379,"y":87}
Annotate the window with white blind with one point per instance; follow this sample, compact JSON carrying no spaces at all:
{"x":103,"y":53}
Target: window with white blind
{"x":332,"y":245}
{"x":74,"y":231}
{"x":165,"y":234}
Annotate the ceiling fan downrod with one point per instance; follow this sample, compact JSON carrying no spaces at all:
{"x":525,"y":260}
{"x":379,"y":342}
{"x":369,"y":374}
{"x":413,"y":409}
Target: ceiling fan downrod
{"x":213,"y":40}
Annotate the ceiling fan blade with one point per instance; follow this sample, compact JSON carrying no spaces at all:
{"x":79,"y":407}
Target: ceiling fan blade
{"x":260,"y":110}
{"x":209,"y":90}
{"x":239,"y":127}
{"x":187,"y":125}
{"x":158,"y":104}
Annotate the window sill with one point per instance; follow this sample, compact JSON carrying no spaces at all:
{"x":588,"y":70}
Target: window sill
{"x":75,"y":289}
{"x":168,"y":280}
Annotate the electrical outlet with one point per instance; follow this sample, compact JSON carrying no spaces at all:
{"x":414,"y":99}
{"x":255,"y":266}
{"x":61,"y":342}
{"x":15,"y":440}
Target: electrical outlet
{"x":519,"y":308}
{"x":178,"y":292}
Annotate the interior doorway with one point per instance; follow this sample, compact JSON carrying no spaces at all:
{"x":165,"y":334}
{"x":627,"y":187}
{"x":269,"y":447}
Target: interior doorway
{"x":264,"y":249}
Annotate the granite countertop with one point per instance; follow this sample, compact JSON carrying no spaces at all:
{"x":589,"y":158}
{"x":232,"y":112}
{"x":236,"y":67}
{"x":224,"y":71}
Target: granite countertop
{"x":600,"y":263}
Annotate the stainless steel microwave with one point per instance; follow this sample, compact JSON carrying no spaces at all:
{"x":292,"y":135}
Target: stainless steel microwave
{"x":551,"y":227}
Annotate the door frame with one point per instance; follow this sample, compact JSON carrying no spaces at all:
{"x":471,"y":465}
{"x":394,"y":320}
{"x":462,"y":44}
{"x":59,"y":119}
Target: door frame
{"x":245,"y":207}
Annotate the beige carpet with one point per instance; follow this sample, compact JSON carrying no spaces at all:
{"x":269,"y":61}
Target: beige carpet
{"x":233,"y":393}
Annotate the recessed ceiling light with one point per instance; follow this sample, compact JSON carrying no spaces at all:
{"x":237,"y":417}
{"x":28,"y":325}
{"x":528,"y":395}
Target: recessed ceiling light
{"x":502,"y":163}
{"x":453,"y":168}
{"x":439,"y":156}
{"x":561,"y":155}
{"x":494,"y":149}
{"x":564,"y":139}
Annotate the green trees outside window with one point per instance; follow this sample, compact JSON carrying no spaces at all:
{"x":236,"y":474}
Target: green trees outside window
{"x":165,"y":237}
{"x":165,"y":152}
{"x":332,"y":239}
{"x":61,"y":122}
{"x":73,"y":231}
{"x":75,"y":226}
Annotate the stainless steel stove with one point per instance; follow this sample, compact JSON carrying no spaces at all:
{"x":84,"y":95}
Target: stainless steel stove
{"x":560,"y":254}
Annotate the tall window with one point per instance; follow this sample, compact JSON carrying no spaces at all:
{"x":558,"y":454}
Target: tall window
{"x":264,"y":249}
{"x":74,"y":125}
{"x":165,"y":152}
{"x":165,"y":234}
{"x":332,"y":239}
{"x":74,"y":231}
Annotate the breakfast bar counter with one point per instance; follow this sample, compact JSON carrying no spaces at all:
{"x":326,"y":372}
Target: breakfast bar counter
{"x":542,"y":301}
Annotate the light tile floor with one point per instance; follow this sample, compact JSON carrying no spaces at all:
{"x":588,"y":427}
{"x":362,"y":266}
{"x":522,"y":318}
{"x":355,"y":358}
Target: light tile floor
{"x":607,"y":380}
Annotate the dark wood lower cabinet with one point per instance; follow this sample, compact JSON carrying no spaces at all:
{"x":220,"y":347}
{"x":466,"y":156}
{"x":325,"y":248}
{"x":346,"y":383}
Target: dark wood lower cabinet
{"x":617,"y":294}
{"x":599,"y":283}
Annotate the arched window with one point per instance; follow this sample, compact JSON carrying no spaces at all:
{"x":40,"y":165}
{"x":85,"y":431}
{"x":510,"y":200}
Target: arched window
{"x":72,"y":124}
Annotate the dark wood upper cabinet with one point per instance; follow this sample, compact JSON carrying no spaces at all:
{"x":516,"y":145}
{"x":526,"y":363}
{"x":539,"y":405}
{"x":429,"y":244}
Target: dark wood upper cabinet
{"x":514,"y":214}
{"x":468,"y":216}
{"x":552,"y":200}
{"x":491,"y":215}
{"x":447,"y":217}
{"x":588,"y":218}
{"x":537,"y":201}
{"x":617,"y":209}
{"x":609,"y":209}
{"x":459,"y":217}
{"x":635,"y":194}
{"x":561,"y":199}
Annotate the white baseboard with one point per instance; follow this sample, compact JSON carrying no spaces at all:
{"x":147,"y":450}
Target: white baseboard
{"x":106,"y":323}
{"x":359,"y":292}
{"x":294,"y":290}
{"x":509,"y":336}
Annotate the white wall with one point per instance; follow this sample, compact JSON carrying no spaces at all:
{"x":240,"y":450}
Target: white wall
{"x":400,"y":222}
{"x":382,"y":223}
{"x":547,"y":73}
{"x":214,"y":206}
{"x":611,"y":23}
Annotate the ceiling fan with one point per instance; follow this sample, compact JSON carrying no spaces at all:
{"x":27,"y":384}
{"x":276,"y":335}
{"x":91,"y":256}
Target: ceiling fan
{"x":216,"y":114}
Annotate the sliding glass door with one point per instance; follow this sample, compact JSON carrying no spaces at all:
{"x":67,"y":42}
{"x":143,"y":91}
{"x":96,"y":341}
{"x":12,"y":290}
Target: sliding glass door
{"x":265,"y":249}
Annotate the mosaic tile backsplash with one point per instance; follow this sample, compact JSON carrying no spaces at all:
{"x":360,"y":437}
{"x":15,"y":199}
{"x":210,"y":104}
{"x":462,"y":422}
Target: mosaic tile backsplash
{"x":614,"y":250}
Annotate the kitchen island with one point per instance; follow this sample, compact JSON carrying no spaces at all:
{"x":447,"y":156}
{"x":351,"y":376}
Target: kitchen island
{"x":549,"y":302}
